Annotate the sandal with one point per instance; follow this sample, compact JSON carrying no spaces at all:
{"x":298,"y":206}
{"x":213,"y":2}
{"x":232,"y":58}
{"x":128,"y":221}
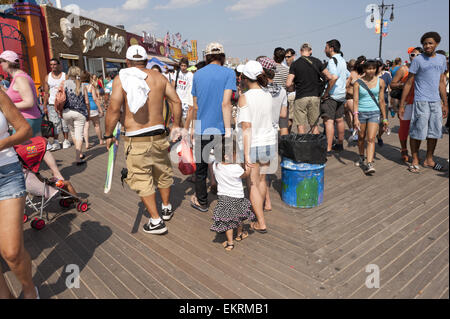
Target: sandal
{"x":414,"y":169}
{"x":437,"y":167}
{"x":227,"y":246}
{"x":405,"y":156}
{"x":241,"y":236}
{"x":195,"y":204}
{"x":261,"y":231}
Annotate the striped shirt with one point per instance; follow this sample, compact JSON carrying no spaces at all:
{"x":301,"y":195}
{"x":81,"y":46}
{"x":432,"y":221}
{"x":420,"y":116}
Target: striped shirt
{"x":281,"y":75}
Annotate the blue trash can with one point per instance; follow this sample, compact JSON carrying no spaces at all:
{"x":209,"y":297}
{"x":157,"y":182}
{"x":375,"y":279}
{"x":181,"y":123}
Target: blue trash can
{"x":302,"y":184}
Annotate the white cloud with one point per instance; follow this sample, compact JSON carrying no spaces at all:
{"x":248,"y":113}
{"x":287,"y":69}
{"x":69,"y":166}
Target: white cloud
{"x":177,"y":4}
{"x":112,"y":16}
{"x":135,"y":4}
{"x":149,"y":27}
{"x":252,"y":8}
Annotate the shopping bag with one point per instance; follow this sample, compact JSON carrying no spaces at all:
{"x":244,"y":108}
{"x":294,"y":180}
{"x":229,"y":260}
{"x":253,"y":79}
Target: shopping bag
{"x":187,"y":164}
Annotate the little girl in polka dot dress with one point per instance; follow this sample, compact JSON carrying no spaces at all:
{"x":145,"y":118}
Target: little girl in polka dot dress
{"x":232,"y":207}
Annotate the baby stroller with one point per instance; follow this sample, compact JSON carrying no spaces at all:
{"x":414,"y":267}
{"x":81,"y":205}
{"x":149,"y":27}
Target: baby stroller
{"x":41,"y":191}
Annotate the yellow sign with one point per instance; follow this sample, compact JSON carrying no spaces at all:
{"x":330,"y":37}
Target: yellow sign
{"x":378,"y":26}
{"x":194,"y":54}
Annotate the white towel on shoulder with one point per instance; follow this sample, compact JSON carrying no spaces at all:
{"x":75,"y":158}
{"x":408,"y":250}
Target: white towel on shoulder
{"x":134,"y":84}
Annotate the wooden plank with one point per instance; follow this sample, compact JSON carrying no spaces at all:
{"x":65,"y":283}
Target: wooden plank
{"x":437,"y":285}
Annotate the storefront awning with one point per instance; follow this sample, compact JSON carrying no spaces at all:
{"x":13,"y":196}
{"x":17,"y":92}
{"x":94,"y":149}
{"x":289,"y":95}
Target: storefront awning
{"x":115,"y":60}
{"x":162,"y":59}
{"x":69,"y":56}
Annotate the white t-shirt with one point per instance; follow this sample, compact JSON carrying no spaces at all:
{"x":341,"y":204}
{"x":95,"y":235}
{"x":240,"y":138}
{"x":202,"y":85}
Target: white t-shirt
{"x":259,"y":112}
{"x":53,"y":85}
{"x":229,"y":182}
{"x":184,"y":87}
{"x":7,"y":156}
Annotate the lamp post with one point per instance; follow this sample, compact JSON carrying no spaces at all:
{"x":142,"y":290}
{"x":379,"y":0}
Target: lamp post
{"x":383,"y":8}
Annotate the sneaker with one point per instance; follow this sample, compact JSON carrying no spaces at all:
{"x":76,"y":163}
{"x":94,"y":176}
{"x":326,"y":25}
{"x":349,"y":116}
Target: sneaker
{"x":49,"y":147}
{"x":159,"y":229}
{"x":66,"y":144}
{"x":56,"y":146}
{"x":167,"y":214}
{"x":360,"y":161}
{"x":329,"y":153}
{"x":369,"y":169}
{"x":338,"y":147}
{"x":380,"y":142}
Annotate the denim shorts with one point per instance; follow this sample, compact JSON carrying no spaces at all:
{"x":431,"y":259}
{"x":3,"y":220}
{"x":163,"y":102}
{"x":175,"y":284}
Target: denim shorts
{"x":12,"y":181}
{"x":426,"y":121}
{"x":369,"y":117}
{"x":263,"y":154}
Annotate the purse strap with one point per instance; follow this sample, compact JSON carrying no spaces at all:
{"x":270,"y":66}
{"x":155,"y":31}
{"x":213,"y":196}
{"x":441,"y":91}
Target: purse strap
{"x":364,"y":86}
{"x":313,"y":66}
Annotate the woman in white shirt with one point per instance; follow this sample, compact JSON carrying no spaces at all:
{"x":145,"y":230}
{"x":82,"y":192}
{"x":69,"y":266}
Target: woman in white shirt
{"x":12,"y":200}
{"x":255,"y":123}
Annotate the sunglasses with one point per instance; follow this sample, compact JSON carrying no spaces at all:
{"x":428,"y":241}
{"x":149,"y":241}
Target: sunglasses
{"x":412,"y":55}
{"x":289,"y":56}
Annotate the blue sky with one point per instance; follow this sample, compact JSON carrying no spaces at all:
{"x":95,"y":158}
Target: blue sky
{"x":250,"y":28}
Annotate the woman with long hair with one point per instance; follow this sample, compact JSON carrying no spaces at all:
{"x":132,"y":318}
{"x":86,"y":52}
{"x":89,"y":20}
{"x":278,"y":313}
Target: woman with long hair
{"x":398,"y":83}
{"x":255,"y":121}
{"x":12,"y":200}
{"x":22,"y":93}
{"x":368,"y":94}
{"x":76,"y":110}
{"x":96,"y":110}
{"x":356,"y":72}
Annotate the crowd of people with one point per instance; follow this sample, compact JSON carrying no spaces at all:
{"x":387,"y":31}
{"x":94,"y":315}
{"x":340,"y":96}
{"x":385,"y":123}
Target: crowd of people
{"x":232,"y":119}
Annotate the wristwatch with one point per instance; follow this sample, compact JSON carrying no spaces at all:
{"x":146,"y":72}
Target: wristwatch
{"x":107,"y":137}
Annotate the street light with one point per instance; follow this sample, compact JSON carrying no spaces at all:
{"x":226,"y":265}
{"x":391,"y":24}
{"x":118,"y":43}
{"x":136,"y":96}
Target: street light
{"x":383,"y":9}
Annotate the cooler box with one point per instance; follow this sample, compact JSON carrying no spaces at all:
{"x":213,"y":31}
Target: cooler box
{"x":302,"y":184}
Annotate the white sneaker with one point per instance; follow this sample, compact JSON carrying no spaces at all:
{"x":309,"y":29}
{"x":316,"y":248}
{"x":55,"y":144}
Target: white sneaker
{"x":49,"y":147}
{"x":66,"y":144}
{"x":56,"y":146}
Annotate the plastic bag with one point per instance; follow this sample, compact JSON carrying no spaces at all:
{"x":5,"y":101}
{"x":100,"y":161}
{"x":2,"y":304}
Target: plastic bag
{"x":304,"y":148}
{"x":187,"y":164}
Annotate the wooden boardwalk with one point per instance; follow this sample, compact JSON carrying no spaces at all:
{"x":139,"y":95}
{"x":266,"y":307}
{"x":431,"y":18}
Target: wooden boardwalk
{"x":395,"y":220}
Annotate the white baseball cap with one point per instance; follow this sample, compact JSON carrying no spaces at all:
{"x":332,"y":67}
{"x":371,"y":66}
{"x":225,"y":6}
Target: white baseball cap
{"x":252,"y":69}
{"x":136,"y":53}
{"x":214,"y":48}
{"x":240,"y":68}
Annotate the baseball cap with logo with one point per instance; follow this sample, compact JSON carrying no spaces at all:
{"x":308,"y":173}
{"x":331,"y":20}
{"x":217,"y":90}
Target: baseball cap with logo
{"x":9,"y":56}
{"x":214,"y":48}
{"x":136,"y":53}
{"x":267,"y":63}
{"x":252,"y":69}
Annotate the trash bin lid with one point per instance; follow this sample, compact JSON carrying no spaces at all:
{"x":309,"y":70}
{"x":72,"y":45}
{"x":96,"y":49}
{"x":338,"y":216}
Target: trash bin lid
{"x":296,"y":166}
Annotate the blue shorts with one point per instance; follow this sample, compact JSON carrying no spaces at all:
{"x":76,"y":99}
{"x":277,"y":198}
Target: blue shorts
{"x":12,"y":181}
{"x":426,"y":121}
{"x":369,"y":117}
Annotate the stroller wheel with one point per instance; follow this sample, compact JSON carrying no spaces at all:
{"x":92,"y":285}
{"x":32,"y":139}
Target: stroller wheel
{"x":83,"y":207}
{"x":37,"y":223}
{"x":25,"y":218}
{"x":64,"y":203}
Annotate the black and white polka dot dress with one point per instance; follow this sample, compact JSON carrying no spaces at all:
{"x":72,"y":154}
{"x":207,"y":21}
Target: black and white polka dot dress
{"x":231,"y":212}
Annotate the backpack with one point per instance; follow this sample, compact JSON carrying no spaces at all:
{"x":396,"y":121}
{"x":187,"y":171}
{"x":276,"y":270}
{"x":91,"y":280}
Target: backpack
{"x":60,"y":98}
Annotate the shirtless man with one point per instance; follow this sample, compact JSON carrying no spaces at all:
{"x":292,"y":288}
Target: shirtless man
{"x":146,"y":145}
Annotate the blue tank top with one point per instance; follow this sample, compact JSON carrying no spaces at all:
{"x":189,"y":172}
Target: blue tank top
{"x":394,"y":70}
{"x":92,"y":104}
{"x":366,"y":103}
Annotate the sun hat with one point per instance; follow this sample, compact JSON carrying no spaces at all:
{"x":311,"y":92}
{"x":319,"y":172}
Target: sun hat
{"x":214,"y":48}
{"x":10,"y":56}
{"x":136,"y":50}
{"x":252,"y":69}
{"x":267,"y":63}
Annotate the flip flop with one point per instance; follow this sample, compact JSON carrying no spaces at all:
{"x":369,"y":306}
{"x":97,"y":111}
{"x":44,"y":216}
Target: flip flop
{"x":437,"y":167}
{"x":227,"y":246}
{"x":415,"y":169}
{"x":261,"y":231}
